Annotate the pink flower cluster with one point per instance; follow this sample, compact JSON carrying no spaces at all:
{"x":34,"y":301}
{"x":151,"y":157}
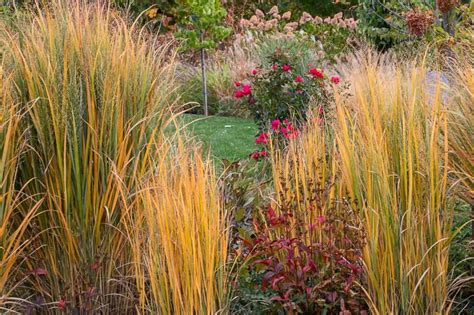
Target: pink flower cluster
{"x":271,"y":21}
{"x":286,"y":128}
{"x":316,"y":73}
{"x":262,"y":138}
{"x":246,"y":89}
{"x":243,"y":90}
{"x":259,"y":154}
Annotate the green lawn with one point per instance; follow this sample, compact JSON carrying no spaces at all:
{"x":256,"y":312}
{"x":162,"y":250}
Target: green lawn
{"x":228,"y":138}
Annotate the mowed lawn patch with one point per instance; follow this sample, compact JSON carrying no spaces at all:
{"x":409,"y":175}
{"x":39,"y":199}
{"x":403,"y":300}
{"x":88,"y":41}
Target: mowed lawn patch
{"x":228,"y":138}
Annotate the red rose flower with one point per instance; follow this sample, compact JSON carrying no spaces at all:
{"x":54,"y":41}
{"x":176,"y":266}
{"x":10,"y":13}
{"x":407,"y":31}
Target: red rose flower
{"x":262,"y":138}
{"x":237,"y":84}
{"x":275,"y":67}
{"x":61,"y":304}
{"x":276,"y":124}
{"x":254,"y":71}
{"x":263,"y":153}
{"x":294,"y":134}
{"x":299,"y":79}
{"x":239,"y":94}
{"x":316,"y":73}
{"x":286,"y":67}
{"x":255,"y":155}
{"x":335,"y":80}
{"x":246,"y":89}
{"x":284,"y":130}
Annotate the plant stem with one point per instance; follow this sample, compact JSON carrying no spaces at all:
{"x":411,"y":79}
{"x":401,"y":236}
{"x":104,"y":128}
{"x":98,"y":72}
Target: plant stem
{"x":472,"y":223}
{"x":204,"y":80}
{"x":447,"y":23}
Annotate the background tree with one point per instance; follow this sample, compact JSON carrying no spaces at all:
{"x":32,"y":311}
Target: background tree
{"x":200,"y":24}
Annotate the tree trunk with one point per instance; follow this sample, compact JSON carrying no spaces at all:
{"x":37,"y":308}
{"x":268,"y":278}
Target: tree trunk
{"x":448,"y":19}
{"x":436,"y":13}
{"x":447,"y":23}
{"x":204,"y":80}
{"x":472,"y":225}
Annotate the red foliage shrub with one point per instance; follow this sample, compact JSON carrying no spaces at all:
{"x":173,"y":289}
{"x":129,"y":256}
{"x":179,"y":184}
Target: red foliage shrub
{"x":309,"y":263}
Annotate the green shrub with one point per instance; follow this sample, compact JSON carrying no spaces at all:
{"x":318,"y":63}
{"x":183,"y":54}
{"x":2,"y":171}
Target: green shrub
{"x":277,"y":91}
{"x":302,"y":53}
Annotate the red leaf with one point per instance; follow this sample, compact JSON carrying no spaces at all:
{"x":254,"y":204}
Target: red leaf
{"x":265,"y":262}
{"x":332,"y":296}
{"x":61,"y":304}
{"x":95,"y":266}
{"x":271,"y":212}
{"x":306,"y":268}
{"x":276,"y":280}
{"x":287,"y":294}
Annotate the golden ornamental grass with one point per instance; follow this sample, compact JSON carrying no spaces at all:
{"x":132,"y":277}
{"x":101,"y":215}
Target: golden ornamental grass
{"x":180,"y":248}
{"x":95,"y":92}
{"x":306,"y":165}
{"x":13,"y":221}
{"x":392,"y":162}
{"x":129,"y":222}
{"x":461,"y":124}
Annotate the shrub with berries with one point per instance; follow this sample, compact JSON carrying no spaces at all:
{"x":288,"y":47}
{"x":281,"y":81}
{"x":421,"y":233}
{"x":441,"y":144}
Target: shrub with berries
{"x":278,"y":92}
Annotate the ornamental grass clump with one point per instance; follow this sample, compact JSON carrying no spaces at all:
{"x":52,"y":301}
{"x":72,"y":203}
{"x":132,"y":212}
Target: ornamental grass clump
{"x":461,"y":151}
{"x":180,"y":235}
{"x":395,"y":167}
{"x":13,"y":219}
{"x":461,"y":125}
{"x":94,"y":92}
